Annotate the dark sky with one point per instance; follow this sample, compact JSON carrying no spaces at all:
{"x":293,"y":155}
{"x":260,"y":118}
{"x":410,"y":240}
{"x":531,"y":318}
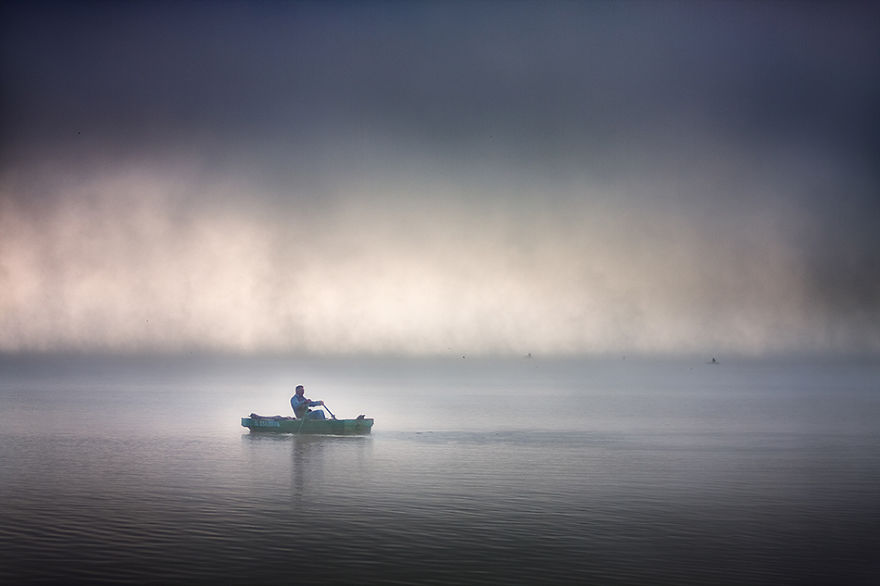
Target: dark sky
{"x":550,"y":177}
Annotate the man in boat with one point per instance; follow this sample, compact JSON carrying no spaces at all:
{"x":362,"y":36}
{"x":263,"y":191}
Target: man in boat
{"x":301,"y":405}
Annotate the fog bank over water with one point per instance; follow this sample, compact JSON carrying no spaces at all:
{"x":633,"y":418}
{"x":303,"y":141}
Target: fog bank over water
{"x":121,"y":265}
{"x":440,"y":180}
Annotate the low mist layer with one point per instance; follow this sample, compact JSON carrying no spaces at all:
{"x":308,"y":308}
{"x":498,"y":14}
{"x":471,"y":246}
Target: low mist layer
{"x":119,"y":265}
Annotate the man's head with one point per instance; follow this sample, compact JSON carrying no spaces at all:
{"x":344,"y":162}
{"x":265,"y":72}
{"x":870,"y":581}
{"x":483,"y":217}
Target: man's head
{"x":300,"y":390}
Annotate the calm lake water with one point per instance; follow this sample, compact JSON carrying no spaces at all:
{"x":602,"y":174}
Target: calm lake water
{"x":478,"y":471}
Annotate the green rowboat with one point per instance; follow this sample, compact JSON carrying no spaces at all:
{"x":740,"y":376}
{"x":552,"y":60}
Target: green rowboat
{"x":279,"y":424}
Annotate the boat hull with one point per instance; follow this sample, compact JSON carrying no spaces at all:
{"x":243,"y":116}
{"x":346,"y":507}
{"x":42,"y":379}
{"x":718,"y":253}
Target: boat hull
{"x":279,"y":424}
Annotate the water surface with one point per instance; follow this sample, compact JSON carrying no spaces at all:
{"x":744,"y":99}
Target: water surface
{"x":478,"y":471}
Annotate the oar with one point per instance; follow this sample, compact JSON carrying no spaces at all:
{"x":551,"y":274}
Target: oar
{"x":328,"y":410}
